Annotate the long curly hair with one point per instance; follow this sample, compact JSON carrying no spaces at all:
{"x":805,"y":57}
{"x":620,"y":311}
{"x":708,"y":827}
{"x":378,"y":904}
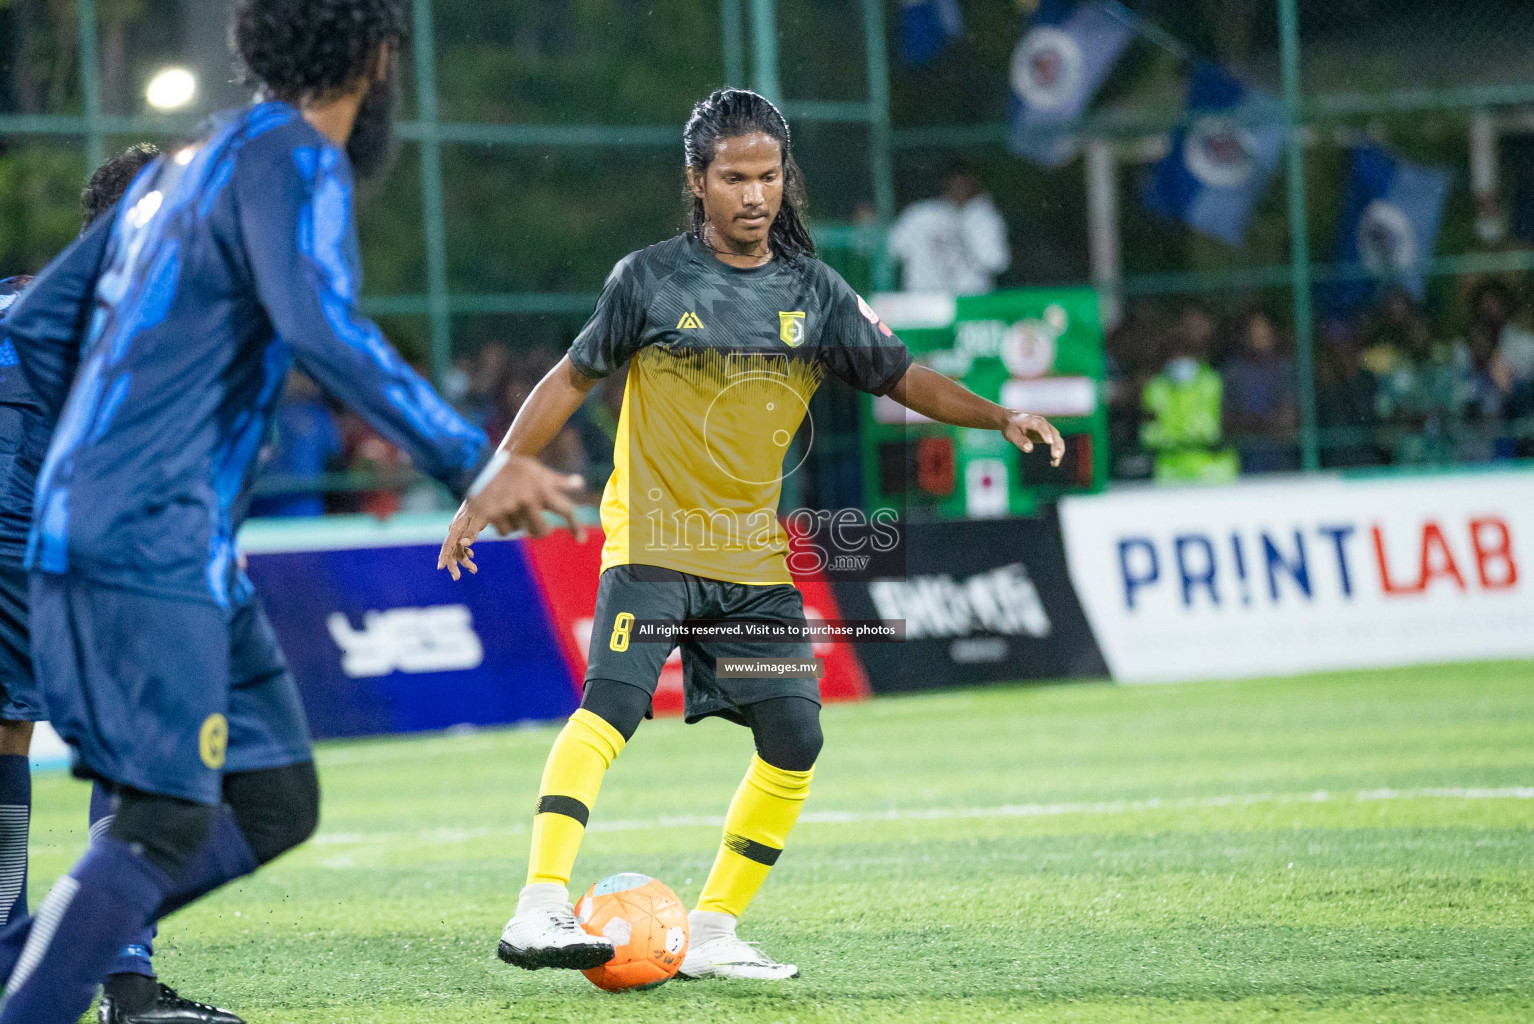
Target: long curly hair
{"x":728,"y":114}
{"x":109,"y":181}
{"x":296,"y":50}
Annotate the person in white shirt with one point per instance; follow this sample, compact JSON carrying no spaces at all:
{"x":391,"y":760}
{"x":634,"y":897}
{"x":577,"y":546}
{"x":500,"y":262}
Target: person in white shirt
{"x":1493,"y":329}
{"x":955,"y":242}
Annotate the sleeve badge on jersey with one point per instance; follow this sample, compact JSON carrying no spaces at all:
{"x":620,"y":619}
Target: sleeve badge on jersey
{"x":791,"y":328}
{"x":867,"y":311}
{"x":873,"y":318}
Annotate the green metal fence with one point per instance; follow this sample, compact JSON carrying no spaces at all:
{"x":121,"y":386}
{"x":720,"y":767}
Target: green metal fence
{"x":754,"y":42}
{"x":1430,"y":81}
{"x":430,"y":132}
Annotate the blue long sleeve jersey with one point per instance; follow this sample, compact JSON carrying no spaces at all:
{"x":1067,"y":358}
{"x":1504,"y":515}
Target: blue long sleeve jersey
{"x":227,"y":261}
{"x":20,"y":455}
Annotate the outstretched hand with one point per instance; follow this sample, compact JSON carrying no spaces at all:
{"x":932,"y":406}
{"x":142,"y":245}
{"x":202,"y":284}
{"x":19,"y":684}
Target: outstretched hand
{"x":1023,"y":428}
{"x":518,"y":497}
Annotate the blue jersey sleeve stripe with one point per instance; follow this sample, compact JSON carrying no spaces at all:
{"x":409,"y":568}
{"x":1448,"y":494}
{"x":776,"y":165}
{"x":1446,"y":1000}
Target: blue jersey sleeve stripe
{"x":109,"y":407}
{"x":325,"y":230}
{"x":154,"y":302}
{"x":232,"y":467}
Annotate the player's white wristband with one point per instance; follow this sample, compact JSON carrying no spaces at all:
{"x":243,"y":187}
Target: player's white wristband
{"x":495,"y":465}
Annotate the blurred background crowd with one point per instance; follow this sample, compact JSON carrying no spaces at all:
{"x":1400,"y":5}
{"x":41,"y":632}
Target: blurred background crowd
{"x":1397,"y":384}
{"x":1195,"y":391}
{"x":540,"y":143}
{"x":317,"y":442}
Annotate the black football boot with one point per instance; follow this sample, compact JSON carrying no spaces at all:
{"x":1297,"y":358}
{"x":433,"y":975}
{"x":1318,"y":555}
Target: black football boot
{"x":154,"y":1003}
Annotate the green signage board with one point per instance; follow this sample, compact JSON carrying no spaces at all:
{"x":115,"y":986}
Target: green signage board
{"x":1037,"y":350}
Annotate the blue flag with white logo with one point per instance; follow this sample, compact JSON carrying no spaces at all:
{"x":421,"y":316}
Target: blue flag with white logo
{"x":1221,"y":159}
{"x":1390,"y":217}
{"x":927,"y":27}
{"x":1058,"y":66}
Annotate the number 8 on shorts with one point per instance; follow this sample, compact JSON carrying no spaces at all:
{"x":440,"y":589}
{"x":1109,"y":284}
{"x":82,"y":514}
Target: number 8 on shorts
{"x":621,"y":626}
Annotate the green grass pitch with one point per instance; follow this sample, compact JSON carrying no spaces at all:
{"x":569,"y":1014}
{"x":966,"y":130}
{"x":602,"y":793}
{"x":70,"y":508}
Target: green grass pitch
{"x":1349,"y":847}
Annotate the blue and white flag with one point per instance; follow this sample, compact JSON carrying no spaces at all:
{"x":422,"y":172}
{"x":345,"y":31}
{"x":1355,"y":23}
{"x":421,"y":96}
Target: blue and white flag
{"x":1222,"y":160}
{"x":1390,"y":216}
{"x":927,"y":27}
{"x":1058,"y":66}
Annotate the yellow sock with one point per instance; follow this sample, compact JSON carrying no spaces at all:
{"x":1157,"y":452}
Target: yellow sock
{"x":572,"y":777}
{"x":761,"y":816}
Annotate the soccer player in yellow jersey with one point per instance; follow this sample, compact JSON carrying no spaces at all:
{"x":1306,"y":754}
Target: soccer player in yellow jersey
{"x":727,"y":330}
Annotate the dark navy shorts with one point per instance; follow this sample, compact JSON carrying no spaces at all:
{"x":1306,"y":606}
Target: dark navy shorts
{"x":20,"y":700}
{"x":628,"y":593}
{"x":163,"y":695}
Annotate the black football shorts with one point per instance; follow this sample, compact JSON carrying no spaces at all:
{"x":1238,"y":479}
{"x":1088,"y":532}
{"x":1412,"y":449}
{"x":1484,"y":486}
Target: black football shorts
{"x":642,"y":593}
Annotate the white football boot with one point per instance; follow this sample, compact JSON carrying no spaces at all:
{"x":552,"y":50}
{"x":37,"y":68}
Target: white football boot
{"x":715,"y":951}
{"x":544,"y":933}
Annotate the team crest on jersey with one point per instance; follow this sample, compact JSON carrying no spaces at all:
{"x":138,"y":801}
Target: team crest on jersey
{"x":689,"y":322}
{"x":213,"y":741}
{"x":791,"y":328}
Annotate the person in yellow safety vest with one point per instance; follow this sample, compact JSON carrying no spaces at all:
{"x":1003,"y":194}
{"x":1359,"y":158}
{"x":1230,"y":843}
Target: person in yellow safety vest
{"x":1183,"y":408}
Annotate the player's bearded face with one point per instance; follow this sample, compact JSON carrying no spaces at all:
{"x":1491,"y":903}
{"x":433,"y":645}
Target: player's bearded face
{"x":742,"y":190}
{"x":372,"y":146}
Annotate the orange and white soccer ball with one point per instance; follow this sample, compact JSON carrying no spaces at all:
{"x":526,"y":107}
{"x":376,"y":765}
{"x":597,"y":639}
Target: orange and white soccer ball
{"x":645,"y":922}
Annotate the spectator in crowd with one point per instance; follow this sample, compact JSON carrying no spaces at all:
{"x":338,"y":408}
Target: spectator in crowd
{"x":1130,"y":349}
{"x":1389,"y":387}
{"x":514,"y":391}
{"x":368,"y":453}
{"x":310,"y":441}
{"x":597,"y":423}
{"x":487,"y":383}
{"x":1344,"y":398}
{"x":1419,"y":385}
{"x":955,"y":242}
{"x":305,"y":442}
{"x":1260,"y":410}
{"x":1396,"y":343}
{"x":1183,"y":406}
{"x":568,"y":449}
{"x":1505,"y":347}
{"x":1493,"y":375}
{"x":567,"y":453}
{"x":455,"y":386}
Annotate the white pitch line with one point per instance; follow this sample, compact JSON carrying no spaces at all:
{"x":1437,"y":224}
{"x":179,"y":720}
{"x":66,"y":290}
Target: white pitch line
{"x":1105,"y":807}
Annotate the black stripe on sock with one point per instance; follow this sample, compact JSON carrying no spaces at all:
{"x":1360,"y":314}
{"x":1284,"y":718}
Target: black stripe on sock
{"x":751,"y":849}
{"x":566,"y":805}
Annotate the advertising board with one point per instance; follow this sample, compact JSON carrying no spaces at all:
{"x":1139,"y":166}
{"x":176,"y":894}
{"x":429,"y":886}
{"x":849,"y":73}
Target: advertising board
{"x":1300,"y":575}
{"x":1039,"y":349}
{"x":382,"y":642}
{"x":982,"y":601}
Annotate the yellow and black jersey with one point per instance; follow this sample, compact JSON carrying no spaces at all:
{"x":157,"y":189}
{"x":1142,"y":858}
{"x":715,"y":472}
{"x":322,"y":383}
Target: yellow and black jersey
{"x":722,"y":365}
